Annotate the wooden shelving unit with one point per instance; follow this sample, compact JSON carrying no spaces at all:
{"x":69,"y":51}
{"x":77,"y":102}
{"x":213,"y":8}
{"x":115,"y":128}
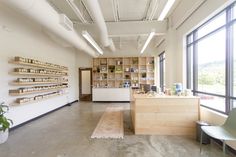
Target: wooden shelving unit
{"x":34,"y":83}
{"x":123,"y":71}
{"x":41,"y":73}
{"x":37,"y":65}
{"x":35,"y":101}
{"x":35,"y":74}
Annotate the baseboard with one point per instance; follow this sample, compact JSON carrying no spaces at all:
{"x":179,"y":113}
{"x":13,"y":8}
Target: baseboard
{"x":111,"y":101}
{"x":17,"y":126}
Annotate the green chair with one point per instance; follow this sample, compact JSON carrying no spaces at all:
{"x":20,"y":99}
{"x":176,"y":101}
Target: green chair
{"x":225,"y":132}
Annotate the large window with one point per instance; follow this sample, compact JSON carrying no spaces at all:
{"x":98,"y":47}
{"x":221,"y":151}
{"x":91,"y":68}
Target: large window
{"x":162,"y":70}
{"x":211,"y":61}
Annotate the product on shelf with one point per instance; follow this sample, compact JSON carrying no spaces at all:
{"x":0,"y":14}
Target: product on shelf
{"x":39,"y":71}
{"x":35,"y":80}
{"x":36,"y":62}
{"x":37,"y":97}
{"x":37,"y":88}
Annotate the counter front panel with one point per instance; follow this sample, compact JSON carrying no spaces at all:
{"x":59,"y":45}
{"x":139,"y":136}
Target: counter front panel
{"x":166,"y":115}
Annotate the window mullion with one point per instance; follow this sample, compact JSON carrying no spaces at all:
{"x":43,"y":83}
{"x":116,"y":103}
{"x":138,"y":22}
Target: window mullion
{"x":195,"y":63}
{"x":229,"y":60}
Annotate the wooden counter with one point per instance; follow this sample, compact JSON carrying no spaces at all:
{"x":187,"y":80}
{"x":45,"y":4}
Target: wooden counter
{"x":164,"y":115}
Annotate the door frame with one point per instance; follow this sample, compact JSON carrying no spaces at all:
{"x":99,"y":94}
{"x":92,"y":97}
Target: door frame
{"x":80,"y":80}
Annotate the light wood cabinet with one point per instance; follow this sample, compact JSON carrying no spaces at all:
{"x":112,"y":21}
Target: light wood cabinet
{"x":37,"y":77}
{"x":164,"y":115}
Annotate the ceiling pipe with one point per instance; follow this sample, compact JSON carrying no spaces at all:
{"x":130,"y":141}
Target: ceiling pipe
{"x":96,"y":14}
{"x":46,"y":16}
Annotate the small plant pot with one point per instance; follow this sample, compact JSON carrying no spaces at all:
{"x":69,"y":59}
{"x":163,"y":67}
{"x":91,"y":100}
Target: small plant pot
{"x":3,"y":136}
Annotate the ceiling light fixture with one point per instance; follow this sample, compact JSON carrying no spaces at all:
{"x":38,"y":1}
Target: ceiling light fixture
{"x":166,"y":9}
{"x":147,"y":41}
{"x":76,"y":10}
{"x":87,"y":36}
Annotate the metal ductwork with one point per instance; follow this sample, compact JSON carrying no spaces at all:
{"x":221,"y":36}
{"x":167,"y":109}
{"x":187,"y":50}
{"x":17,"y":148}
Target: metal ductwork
{"x":45,"y":15}
{"x":96,"y":14}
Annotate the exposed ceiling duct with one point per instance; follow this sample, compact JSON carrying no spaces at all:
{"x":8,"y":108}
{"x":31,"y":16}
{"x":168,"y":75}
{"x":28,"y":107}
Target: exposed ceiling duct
{"x":45,"y":15}
{"x":96,"y":14}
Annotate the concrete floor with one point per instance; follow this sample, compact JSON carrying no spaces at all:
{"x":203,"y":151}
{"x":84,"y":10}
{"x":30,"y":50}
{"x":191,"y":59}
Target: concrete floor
{"x":66,"y":133}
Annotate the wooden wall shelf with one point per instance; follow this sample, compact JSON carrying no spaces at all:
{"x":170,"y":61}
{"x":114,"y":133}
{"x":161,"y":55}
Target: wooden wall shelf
{"x":35,"y":101}
{"x":36,"y":65}
{"x":34,"y":92}
{"x":34,"y":83}
{"x":35,"y":74}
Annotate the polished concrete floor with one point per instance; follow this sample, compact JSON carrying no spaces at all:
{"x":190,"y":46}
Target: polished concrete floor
{"x":66,"y":133}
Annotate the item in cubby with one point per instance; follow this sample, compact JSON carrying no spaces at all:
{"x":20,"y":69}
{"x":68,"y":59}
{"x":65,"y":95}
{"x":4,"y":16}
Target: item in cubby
{"x":118,"y":69}
{"x":144,"y":75}
{"x":127,"y":84}
{"x":103,"y":69}
{"x":135,"y":61}
{"x":103,"y":62}
{"x":127,"y":70}
{"x":118,"y":62}
{"x":104,"y":76}
{"x":111,"y":68}
{"x":98,"y":70}
{"x":127,"y":76}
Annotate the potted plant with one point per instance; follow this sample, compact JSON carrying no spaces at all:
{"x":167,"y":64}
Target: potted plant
{"x":4,"y":123}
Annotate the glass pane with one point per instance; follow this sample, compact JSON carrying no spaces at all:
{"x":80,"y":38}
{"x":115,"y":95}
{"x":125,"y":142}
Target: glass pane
{"x":164,"y":73}
{"x":212,"y":25}
{"x":211,"y":63}
{"x":190,"y":67}
{"x":234,"y":104}
{"x":234,"y":59}
{"x":234,"y":12}
{"x":190,"y":38}
{"x":214,"y":102}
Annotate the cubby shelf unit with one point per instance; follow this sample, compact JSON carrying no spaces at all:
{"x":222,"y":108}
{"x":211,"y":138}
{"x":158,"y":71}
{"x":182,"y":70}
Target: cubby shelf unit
{"x":120,"y":71}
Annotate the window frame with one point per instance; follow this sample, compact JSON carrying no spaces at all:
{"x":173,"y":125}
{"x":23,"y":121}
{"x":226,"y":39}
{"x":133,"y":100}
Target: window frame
{"x":161,"y":70}
{"x":192,"y":58}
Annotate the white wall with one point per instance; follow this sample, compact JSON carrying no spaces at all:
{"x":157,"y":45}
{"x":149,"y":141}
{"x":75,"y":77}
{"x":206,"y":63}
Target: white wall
{"x":22,"y":37}
{"x":175,"y":47}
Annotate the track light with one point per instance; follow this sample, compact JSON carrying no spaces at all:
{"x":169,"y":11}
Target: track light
{"x":87,"y":36}
{"x":166,"y":9}
{"x":147,"y":41}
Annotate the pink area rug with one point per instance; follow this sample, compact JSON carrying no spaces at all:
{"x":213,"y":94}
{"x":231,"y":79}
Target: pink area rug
{"x":110,"y":124}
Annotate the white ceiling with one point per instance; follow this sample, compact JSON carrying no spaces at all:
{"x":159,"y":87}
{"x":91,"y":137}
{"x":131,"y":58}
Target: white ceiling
{"x":127,"y":11}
